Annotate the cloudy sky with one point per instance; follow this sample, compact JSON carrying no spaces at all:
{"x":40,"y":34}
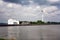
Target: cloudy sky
{"x":30,"y":10}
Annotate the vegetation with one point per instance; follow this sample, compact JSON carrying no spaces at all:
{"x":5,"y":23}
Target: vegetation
{"x":41,"y":22}
{"x":53,"y":22}
{"x":37,"y":22}
{"x":2,"y":39}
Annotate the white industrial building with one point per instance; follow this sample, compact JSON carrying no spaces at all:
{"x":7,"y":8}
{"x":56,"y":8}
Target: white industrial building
{"x":12,"y":21}
{"x":25,"y":22}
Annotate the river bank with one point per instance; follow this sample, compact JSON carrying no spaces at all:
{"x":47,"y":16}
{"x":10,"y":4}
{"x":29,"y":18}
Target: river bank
{"x":27,"y":24}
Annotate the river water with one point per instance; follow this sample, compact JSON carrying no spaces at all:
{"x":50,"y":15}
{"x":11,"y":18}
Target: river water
{"x":37,"y":32}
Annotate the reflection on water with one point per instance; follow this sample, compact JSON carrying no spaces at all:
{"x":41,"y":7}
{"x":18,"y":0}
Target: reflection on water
{"x":3,"y":32}
{"x":41,"y":32}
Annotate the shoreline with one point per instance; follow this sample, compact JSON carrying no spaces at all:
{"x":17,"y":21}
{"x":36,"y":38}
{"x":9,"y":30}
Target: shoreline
{"x":29,"y":24}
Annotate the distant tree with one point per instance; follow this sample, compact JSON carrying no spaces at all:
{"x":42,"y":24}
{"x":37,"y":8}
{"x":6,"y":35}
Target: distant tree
{"x":33,"y":22}
{"x":37,"y":22}
{"x":48,"y":22}
{"x":2,"y":39}
{"x":20,"y":22}
{"x":53,"y":22}
{"x":40,"y":22}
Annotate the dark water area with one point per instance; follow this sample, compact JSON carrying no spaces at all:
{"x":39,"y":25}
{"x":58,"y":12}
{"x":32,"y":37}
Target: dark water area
{"x":37,"y":32}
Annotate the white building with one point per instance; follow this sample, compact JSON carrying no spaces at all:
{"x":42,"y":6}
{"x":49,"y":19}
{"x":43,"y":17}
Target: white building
{"x":25,"y":22}
{"x":12,"y":21}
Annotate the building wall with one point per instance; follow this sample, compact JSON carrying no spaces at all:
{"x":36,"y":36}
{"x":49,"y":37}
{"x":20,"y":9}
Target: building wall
{"x":11,"y":21}
{"x":24,"y":22}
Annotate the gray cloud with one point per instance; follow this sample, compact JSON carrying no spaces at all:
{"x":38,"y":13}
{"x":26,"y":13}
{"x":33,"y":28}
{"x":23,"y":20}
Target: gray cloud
{"x":22,"y":2}
{"x":40,"y":2}
{"x":29,"y":10}
{"x":26,"y":2}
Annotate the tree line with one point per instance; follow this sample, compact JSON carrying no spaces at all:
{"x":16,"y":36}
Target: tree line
{"x":42,"y":22}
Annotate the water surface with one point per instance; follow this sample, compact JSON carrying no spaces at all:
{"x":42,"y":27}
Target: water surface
{"x":40,"y":32}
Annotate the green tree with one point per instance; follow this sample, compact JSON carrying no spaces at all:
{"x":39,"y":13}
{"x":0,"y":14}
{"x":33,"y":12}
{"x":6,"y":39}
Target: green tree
{"x":40,"y":22}
{"x":2,"y":39}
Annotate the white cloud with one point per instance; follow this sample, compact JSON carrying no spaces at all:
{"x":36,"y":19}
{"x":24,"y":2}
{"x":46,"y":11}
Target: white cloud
{"x":50,"y":9}
{"x":10,"y":5}
{"x":53,"y":1}
{"x":31,"y":1}
{"x":18,"y":11}
{"x":56,"y":13}
{"x":1,"y":2}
